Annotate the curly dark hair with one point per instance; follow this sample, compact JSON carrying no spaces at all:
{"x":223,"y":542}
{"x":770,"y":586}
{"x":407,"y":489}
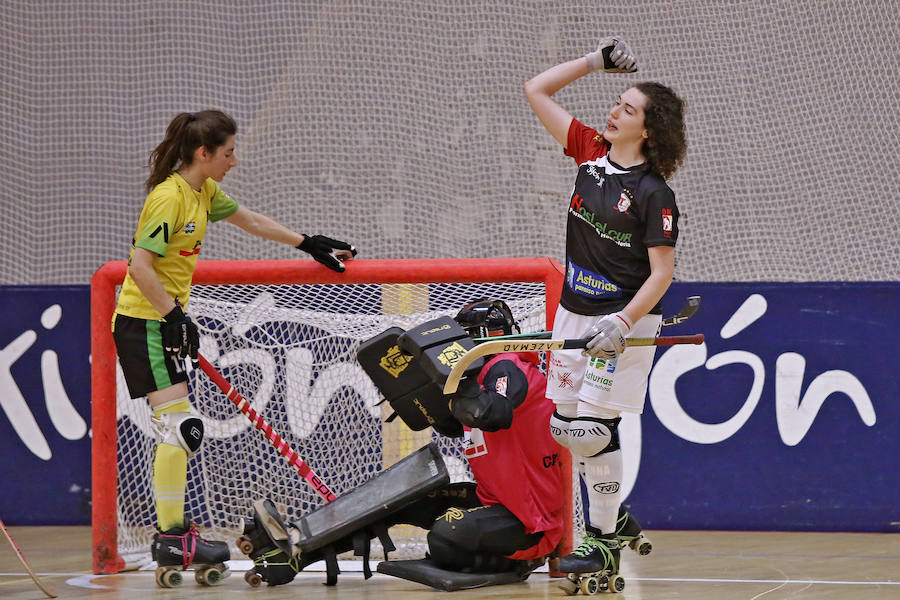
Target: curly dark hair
{"x":666,"y":144}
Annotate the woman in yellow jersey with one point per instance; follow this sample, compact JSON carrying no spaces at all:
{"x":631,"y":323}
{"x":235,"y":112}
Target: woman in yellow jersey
{"x":153,"y":334}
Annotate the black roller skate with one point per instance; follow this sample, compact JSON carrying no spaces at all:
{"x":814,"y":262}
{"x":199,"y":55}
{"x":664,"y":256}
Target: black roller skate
{"x":629,"y":533}
{"x":266,"y":541}
{"x":181,"y":548}
{"x":593,"y":567}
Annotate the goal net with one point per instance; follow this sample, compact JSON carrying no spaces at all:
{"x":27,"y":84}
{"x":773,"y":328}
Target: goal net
{"x":285,"y":335}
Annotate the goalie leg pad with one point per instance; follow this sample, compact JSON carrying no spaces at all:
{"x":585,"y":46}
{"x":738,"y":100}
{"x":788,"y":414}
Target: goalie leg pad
{"x":591,"y":436}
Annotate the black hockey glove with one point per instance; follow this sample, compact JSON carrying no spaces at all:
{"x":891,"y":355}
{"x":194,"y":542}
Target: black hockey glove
{"x":484,"y":409}
{"x":180,"y":336}
{"x":322,"y":249}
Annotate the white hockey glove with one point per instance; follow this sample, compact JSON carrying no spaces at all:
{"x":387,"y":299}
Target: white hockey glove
{"x":608,"y":336}
{"x":613,"y":56}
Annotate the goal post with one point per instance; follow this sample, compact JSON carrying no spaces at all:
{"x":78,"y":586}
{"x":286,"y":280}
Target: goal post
{"x":285,"y":334}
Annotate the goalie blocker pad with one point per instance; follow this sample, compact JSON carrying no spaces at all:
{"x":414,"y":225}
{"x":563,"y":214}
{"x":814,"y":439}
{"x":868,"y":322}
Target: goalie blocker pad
{"x":401,"y":377}
{"x":425,"y":572}
{"x":359,"y":514}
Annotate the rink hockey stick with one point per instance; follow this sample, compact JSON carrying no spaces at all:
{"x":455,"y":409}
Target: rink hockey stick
{"x":501,"y":346}
{"x":690,"y":308}
{"x":47,"y":589}
{"x":281,"y":446}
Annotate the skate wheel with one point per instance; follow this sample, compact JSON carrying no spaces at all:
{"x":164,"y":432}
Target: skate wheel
{"x":616,"y":584}
{"x":168,"y":578}
{"x":569,"y":587}
{"x":245,"y":545}
{"x":641,"y":545}
{"x":253,"y":578}
{"x":208,"y":576}
{"x":590,"y":585}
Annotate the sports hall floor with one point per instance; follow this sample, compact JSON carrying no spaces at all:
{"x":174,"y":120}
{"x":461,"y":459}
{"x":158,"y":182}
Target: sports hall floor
{"x":684,"y":564}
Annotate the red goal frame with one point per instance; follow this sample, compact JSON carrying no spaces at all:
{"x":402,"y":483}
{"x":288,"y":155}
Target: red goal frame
{"x":104,"y":477}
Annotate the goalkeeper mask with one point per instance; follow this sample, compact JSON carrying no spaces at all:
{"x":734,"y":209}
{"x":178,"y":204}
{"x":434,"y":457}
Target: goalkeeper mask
{"x":486,"y":318}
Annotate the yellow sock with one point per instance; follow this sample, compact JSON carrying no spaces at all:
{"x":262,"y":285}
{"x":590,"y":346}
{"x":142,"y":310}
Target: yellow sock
{"x":170,"y":474}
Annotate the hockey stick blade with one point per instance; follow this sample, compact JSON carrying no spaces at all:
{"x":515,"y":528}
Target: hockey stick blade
{"x":46,"y":588}
{"x":690,"y":308}
{"x":266,"y":430}
{"x":539,"y":345}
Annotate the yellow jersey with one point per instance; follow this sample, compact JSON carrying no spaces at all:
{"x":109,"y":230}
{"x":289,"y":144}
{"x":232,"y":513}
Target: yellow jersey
{"x":172,"y":225}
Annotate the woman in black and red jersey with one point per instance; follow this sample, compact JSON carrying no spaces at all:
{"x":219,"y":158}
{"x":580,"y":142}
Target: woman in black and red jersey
{"x":620,"y":258}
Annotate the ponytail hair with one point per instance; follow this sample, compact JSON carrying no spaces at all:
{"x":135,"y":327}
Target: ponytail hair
{"x":186,"y":133}
{"x":666,"y":143}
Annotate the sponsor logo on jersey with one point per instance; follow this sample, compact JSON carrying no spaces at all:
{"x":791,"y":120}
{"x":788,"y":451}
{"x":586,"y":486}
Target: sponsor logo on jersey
{"x":592,"y":170}
{"x":603,"y":364}
{"x":590,"y":284}
{"x":667,"y":222}
{"x":473,"y":443}
{"x":196,"y":249}
{"x":566,"y":380}
{"x":501,"y":386}
{"x":394,"y":362}
{"x":190,"y":227}
{"x":624,"y":202}
{"x":576,"y":208}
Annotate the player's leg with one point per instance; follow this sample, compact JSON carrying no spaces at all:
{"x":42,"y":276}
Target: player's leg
{"x":424,"y":511}
{"x":479,"y":539}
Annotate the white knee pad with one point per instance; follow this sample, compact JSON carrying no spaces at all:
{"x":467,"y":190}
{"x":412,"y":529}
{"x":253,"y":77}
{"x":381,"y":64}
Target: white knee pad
{"x":590,"y":436}
{"x":559,"y":428}
{"x":179,"y":429}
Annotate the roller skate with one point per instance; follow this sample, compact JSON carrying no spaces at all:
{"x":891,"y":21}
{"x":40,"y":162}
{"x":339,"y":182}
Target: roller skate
{"x":593,"y":567}
{"x":629,"y":533}
{"x":265,"y":539}
{"x":180,"y":548}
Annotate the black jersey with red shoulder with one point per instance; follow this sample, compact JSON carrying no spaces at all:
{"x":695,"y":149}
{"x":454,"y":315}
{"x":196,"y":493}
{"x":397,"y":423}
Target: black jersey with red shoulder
{"x":615,"y":214}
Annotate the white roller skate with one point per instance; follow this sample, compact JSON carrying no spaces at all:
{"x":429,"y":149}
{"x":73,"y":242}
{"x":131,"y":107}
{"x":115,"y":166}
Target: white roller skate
{"x":182,"y":548}
{"x":593,"y":567}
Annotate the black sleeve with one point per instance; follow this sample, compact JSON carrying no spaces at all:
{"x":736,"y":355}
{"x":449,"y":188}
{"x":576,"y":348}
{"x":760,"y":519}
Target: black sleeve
{"x":490,"y":408}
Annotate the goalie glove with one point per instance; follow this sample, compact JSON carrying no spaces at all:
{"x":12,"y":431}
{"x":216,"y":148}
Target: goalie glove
{"x":608,"y":336}
{"x":613,"y":56}
{"x":180,"y":336}
{"x":322,"y":249}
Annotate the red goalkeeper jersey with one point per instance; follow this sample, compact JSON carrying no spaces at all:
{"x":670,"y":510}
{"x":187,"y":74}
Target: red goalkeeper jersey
{"x":520,"y":467}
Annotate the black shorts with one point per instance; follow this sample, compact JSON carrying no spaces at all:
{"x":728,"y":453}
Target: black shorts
{"x":147,"y":368}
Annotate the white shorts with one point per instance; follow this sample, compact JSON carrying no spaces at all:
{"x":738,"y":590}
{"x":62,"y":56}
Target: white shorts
{"x":619,"y":384}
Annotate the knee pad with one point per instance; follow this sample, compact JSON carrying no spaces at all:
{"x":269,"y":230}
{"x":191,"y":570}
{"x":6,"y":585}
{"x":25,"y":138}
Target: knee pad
{"x":559,"y":428}
{"x":179,"y":429}
{"x":590,"y":436}
{"x":451,"y":540}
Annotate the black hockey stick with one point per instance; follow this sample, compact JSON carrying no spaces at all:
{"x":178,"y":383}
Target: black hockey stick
{"x":690,"y":308}
{"x":498,"y":346}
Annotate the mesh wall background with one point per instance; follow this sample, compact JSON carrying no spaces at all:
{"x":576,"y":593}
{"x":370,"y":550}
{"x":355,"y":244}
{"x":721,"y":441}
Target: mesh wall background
{"x":403,"y":127}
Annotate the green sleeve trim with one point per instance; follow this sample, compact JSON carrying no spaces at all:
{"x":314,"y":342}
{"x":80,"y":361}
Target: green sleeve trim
{"x":221,"y":206}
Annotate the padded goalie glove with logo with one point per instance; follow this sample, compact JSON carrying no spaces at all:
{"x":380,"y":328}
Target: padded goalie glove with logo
{"x":608,"y":336}
{"x":322,"y":249}
{"x":180,"y":336}
{"x":613,"y":55}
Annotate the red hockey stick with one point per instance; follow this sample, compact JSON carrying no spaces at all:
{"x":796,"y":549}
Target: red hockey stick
{"x":281,"y":446}
{"x":47,"y":589}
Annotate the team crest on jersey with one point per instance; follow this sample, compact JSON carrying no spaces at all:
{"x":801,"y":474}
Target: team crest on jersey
{"x":667,"y":222}
{"x":501,"y":386}
{"x":190,"y":227}
{"x":624,"y":202}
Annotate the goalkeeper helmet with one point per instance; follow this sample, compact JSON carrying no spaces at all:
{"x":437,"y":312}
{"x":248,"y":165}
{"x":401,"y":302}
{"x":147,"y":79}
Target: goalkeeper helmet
{"x":486,"y":318}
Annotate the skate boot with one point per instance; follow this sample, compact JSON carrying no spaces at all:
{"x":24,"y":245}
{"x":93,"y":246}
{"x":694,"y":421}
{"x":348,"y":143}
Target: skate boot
{"x":265,"y":540}
{"x":181,"y":548}
{"x":593,"y":566}
{"x":629,"y":533}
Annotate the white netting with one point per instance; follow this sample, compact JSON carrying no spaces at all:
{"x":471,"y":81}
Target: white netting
{"x":402,"y":126}
{"x":290,"y":350}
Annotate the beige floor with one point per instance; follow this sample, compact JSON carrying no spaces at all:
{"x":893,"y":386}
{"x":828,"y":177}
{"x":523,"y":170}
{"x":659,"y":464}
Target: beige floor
{"x":684,"y":564}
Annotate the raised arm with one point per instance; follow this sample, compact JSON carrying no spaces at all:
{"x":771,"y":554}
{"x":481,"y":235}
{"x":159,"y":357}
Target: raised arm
{"x":613,"y":56}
